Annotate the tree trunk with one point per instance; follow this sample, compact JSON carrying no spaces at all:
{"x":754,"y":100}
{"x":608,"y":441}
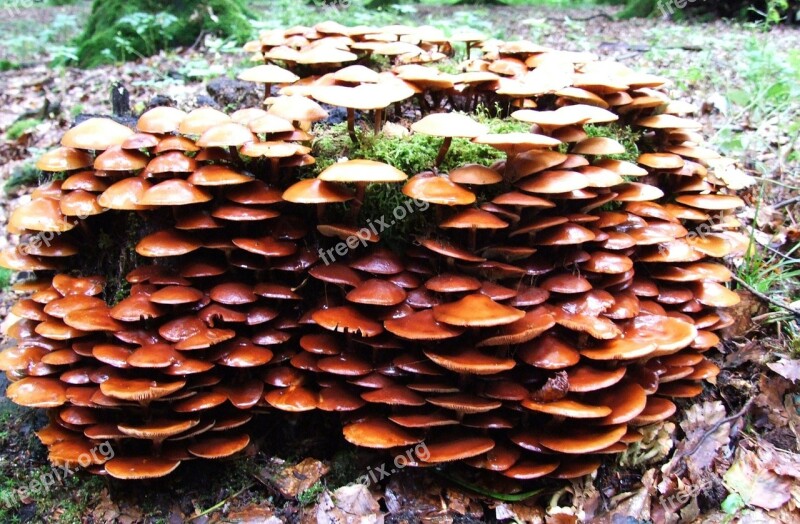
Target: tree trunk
{"x":120,"y":30}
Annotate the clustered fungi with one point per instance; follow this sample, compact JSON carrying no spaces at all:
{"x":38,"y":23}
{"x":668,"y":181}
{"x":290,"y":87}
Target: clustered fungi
{"x":527,"y":333}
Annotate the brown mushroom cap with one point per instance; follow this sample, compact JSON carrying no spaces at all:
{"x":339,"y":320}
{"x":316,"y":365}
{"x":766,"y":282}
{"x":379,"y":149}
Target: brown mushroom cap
{"x":378,"y":434}
{"x":293,"y":399}
{"x":567,"y":408}
{"x":40,"y":214}
{"x":449,"y":125}
{"x":197,"y":121}
{"x":476,"y":310}
{"x":475,"y":174}
{"x":268,"y":74}
{"x":297,"y":108}
{"x":554,"y":181}
{"x":219,"y":447}
{"x":117,"y":159}
{"x":473,"y":219}
{"x":377,"y":292}
{"x":167,"y":243}
{"x":157,"y":429}
{"x":360,"y":170}
{"x":139,"y":389}
{"x":37,"y":392}
{"x":548,"y":352}
{"x":458,"y":448}
{"x":125,"y":194}
{"x":64,"y":159}
{"x":470,"y":361}
{"x":137,"y":468}
{"x":174,"y":192}
{"x":96,"y":133}
{"x":583,"y":439}
{"x":346,"y":319}
{"x":316,"y":191}
{"x":437,"y":190}
{"x":226,"y":135}
{"x":162,"y":119}
{"x":598,"y":146}
{"x":421,"y":326}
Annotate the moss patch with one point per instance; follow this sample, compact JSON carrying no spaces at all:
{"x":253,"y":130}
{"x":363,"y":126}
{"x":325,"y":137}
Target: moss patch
{"x":20,"y":127}
{"x":119,"y":30}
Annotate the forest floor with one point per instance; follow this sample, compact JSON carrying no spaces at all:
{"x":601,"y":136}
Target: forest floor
{"x":732,"y":456}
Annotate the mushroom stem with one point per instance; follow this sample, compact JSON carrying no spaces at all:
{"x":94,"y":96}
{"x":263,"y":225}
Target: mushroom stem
{"x":443,"y":150}
{"x":275,"y":168}
{"x":358,"y":201}
{"x":267,"y":89}
{"x":320,"y":213}
{"x":234,"y":152}
{"x":351,"y":124}
{"x":378,"y":118}
{"x":473,"y":233}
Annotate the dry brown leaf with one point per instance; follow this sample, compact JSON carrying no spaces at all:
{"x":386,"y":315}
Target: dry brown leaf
{"x":253,"y":515}
{"x":697,"y":420}
{"x":752,"y":476}
{"x":300,"y":477}
{"x":519,"y":513}
{"x":353,"y":504}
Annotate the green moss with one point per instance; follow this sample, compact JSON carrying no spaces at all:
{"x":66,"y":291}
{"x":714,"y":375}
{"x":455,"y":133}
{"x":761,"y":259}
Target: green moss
{"x":20,"y":127}
{"x":25,"y":175}
{"x":5,"y":278}
{"x":625,"y":135}
{"x":310,"y":496}
{"x":119,"y":30}
{"x":411,"y":154}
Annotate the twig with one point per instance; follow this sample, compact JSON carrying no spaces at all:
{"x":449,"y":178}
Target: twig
{"x":764,"y":297}
{"x":580,"y":19}
{"x":199,"y":39}
{"x":680,"y":458}
{"x":221,"y":503}
{"x":715,"y":427}
{"x":788,"y":202}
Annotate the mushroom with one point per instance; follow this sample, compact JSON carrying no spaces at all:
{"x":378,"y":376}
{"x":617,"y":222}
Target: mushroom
{"x":448,"y":125}
{"x":361,"y":173}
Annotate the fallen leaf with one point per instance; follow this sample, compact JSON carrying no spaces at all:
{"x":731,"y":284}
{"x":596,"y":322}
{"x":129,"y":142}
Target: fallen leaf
{"x":253,"y":515}
{"x":300,"y":477}
{"x":519,"y":513}
{"x":756,"y":483}
{"x":353,"y":504}
{"x":787,"y":368}
{"x":697,"y":420}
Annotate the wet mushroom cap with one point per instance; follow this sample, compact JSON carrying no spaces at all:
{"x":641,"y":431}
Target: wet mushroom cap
{"x":476,"y":310}
{"x":137,"y":468}
{"x":378,"y":434}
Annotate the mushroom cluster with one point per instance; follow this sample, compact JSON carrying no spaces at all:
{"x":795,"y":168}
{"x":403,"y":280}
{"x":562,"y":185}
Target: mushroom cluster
{"x":555,"y":301}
